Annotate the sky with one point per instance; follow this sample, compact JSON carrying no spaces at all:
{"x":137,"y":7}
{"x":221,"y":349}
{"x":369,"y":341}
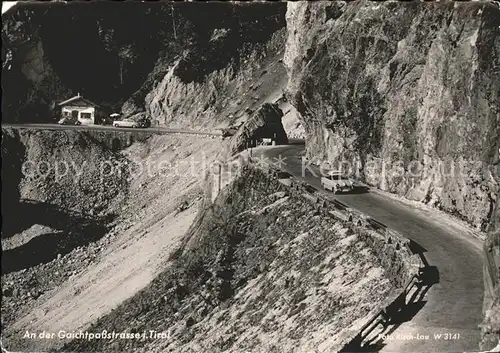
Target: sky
{"x":7,"y":4}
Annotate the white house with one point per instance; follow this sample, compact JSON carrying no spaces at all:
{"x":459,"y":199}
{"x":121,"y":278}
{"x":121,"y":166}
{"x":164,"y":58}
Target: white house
{"x":80,"y":108}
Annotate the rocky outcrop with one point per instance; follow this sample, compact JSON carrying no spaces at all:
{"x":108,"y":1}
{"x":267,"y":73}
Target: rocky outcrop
{"x":495,"y":219}
{"x":408,"y":93}
{"x":264,"y":123}
{"x":490,"y":327}
{"x":13,"y":151}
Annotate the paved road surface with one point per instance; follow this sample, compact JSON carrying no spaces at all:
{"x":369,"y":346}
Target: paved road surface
{"x":154,"y":130}
{"x":454,"y":305}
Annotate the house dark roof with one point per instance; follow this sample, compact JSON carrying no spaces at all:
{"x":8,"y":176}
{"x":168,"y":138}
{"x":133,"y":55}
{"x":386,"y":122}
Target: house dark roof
{"x":8,"y":5}
{"x":77,"y":98}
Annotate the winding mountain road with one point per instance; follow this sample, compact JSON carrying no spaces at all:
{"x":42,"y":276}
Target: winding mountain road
{"x":454,"y":305}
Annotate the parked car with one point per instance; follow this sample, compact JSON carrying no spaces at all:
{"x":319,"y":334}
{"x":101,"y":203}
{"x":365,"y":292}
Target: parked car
{"x":126,"y":123}
{"x":144,"y":123}
{"x":336,"y":181}
{"x":69,"y":121}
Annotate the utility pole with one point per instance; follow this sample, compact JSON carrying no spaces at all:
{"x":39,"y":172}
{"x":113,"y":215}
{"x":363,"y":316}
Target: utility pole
{"x":173,"y":21}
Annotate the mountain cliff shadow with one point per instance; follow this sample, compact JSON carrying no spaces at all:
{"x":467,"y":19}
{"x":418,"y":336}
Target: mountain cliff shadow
{"x":75,"y":229}
{"x":401,"y":310}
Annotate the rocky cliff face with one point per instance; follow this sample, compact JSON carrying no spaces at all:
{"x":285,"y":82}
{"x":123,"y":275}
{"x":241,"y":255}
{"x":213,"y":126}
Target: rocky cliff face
{"x":28,"y":80}
{"x":162,"y":58}
{"x":407,"y":93}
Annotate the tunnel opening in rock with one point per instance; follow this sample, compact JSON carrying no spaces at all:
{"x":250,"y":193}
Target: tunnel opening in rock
{"x":116,"y":145}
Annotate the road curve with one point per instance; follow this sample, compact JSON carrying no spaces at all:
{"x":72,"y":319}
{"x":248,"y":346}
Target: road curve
{"x":454,"y":305}
{"x":151,"y":130}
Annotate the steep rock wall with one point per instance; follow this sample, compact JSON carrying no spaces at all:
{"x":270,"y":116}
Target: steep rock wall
{"x":249,"y":78}
{"x":407,"y":92}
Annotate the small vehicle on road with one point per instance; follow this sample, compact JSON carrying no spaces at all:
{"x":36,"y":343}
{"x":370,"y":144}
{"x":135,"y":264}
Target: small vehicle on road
{"x":69,"y":121}
{"x":336,"y":181}
{"x":126,"y":123}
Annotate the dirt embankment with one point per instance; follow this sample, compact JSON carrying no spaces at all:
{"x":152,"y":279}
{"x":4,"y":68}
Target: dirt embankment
{"x":260,"y":270}
{"x":89,"y":267}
